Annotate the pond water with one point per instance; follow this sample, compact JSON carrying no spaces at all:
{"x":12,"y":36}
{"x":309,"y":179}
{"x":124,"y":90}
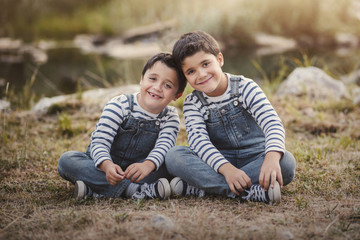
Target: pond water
{"x":69,"y":68}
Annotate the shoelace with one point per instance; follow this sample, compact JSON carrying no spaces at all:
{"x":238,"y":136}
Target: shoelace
{"x":256,"y":194}
{"x":146,"y":190}
{"x":191,"y":190}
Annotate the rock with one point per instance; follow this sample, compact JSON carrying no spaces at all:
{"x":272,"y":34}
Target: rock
{"x":139,"y":42}
{"x":147,"y":31}
{"x":314,"y":83}
{"x":126,"y":51}
{"x":116,"y":48}
{"x":352,"y":78}
{"x":356,"y":96}
{"x":37,"y":55}
{"x":44,"y":104}
{"x":288,"y":235}
{"x":99,"y":97}
{"x":4,"y":105}
{"x":9,"y":44}
{"x":15,"y":50}
{"x":162,"y":222}
{"x":93,"y":100}
{"x":270,"y":44}
{"x":46,"y":45}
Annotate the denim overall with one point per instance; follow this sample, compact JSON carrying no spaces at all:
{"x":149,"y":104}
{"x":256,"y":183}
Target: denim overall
{"x":231,"y":129}
{"x":134,"y":141}
{"x":135,"y":138}
{"x":235,"y":133}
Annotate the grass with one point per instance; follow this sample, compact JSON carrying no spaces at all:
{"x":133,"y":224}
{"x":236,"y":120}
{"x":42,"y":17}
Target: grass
{"x":322,"y":202}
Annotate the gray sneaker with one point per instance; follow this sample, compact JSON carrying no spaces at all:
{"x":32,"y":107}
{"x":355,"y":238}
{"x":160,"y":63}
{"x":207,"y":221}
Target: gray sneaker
{"x":180,"y":188}
{"x":159,"y":189}
{"x":257,"y":194}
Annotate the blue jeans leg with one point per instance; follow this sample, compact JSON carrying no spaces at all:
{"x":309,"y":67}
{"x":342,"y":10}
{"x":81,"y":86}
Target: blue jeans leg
{"x":287,"y":164}
{"x":184,"y":163}
{"x":74,"y":165}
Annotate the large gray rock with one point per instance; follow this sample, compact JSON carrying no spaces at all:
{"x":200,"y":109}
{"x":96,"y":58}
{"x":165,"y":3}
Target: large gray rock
{"x":356,"y":96}
{"x":314,"y":83}
{"x":93,"y":100}
{"x":352,"y":78}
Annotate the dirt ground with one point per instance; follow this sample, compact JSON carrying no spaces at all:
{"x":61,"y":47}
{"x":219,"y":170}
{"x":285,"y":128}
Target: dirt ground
{"x":323,"y":201}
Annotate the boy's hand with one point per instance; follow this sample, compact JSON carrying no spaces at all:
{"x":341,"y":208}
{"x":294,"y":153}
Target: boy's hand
{"x":237,"y":179}
{"x":138,"y":171}
{"x":114,"y":173}
{"x":270,"y":170}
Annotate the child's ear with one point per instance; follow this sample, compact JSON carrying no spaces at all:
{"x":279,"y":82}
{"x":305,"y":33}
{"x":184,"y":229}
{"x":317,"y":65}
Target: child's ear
{"x":178,"y":96}
{"x":220,"y":58}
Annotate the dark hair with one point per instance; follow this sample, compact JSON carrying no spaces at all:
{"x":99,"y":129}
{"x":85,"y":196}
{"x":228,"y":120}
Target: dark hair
{"x":193,"y":42}
{"x":169,"y":61}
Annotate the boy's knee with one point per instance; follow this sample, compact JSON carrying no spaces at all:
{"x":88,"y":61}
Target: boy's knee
{"x":288,"y":165}
{"x":67,"y":160}
{"x":174,"y":156}
{"x":63,"y":161}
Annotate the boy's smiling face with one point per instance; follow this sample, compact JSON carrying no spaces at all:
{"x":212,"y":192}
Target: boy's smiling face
{"x":158,"y":87}
{"x":203,"y":72}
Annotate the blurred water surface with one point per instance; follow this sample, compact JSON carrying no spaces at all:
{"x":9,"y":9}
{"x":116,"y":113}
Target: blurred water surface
{"x":69,"y":69}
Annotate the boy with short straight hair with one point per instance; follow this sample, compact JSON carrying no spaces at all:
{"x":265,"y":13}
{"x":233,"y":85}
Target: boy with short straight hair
{"x":236,"y":139}
{"x":126,"y":154}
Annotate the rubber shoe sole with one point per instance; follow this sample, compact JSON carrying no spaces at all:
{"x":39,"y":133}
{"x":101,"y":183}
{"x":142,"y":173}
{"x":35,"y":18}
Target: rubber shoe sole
{"x":177,"y":186}
{"x":80,"y":190}
{"x":163,"y":188}
{"x":275,"y":193}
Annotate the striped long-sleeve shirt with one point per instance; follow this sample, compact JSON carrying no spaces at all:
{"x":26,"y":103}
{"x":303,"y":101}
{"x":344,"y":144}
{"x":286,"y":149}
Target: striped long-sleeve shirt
{"x":253,"y":100}
{"x":115,"y":111}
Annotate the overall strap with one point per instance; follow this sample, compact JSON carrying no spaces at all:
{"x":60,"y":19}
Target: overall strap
{"x":234,"y":85}
{"x":163,"y":113}
{"x":201,"y":97}
{"x":130,"y":98}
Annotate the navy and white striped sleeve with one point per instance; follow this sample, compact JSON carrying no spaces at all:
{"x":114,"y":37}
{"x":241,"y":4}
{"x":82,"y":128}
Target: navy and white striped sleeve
{"x":198,"y":138}
{"x":170,"y":125}
{"x":106,"y":129}
{"x":258,"y":105}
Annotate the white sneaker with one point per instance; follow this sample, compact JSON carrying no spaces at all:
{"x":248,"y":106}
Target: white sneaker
{"x":159,"y":189}
{"x":275,"y":193}
{"x":257,"y":194}
{"x":80,"y":190}
{"x":180,"y":187}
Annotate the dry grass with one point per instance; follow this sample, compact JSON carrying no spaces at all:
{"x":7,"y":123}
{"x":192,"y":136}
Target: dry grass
{"x":323,"y":202}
